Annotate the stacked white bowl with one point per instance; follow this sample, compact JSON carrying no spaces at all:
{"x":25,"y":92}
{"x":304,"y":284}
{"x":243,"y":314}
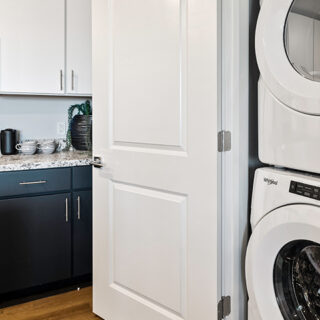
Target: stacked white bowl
{"x":47,"y":146}
{"x":27,"y":147}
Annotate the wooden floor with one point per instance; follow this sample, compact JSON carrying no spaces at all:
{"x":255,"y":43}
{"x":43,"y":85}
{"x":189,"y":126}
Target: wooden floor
{"x":74,"y":305}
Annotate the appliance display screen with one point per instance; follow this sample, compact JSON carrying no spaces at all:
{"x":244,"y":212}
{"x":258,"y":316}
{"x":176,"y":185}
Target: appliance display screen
{"x":305,"y":190}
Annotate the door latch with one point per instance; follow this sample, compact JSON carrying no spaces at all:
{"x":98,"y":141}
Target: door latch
{"x":97,"y":162}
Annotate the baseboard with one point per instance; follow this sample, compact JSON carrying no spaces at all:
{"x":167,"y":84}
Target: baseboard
{"x":44,"y":291}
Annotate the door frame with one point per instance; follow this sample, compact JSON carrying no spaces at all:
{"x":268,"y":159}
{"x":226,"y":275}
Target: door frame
{"x":235,"y":163}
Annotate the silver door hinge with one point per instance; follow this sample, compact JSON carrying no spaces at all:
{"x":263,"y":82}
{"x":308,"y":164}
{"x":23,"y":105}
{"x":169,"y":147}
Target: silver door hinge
{"x":224,"y":307}
{"x":224,"y":141}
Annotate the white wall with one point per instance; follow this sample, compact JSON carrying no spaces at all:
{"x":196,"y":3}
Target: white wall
{"x":36,"y":117}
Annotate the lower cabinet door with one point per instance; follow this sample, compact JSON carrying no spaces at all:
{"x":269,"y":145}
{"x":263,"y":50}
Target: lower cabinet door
{"x":35,"y":241}
{"x":82,"y":233}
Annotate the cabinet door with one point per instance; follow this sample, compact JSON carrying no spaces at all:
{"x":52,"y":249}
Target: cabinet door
{"x":79,"y":47}
{"x":35,"y":241}
{"x":82,"y":233}
{"x":32,"y":34}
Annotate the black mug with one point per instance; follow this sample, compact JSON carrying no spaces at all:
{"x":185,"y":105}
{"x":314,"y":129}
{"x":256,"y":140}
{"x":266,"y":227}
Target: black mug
{"x":8,"y":141}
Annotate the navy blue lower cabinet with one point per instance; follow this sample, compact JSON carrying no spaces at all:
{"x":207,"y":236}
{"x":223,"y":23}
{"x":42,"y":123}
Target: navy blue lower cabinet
{"x":45,"y":227}
{"x":82,"y":233}
{"x":35,"y":241}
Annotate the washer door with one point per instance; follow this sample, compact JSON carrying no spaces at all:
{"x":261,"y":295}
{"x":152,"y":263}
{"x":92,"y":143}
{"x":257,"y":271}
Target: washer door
{"x":288,"y":52}
{"x":283,"y":264}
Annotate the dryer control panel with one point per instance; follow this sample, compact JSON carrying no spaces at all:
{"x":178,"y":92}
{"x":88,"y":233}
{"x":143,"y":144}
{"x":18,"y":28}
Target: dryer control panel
{"x":305,"y":190}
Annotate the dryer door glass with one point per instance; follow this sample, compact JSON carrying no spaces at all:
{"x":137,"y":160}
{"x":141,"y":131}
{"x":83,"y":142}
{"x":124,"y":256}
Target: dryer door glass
{"x":297,"y":280}
{"x":302,"y":38}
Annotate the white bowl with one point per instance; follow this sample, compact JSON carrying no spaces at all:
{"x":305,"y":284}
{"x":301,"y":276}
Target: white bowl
{"x":47,"y":146}
{"x":47,"y":150}
{"x":29,"y":143}
{"x":48,"y":142}
{"x":28,"y":150}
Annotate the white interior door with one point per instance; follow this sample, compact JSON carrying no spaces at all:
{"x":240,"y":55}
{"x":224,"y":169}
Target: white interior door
{"x":156,"y":117}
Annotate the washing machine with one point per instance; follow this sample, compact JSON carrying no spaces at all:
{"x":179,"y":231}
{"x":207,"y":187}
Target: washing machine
{"x":283,"y":255}
{"x":288,"y":56}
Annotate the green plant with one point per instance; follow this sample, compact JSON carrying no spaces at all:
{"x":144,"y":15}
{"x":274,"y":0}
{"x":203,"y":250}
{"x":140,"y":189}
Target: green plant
{"x":83,"y":109}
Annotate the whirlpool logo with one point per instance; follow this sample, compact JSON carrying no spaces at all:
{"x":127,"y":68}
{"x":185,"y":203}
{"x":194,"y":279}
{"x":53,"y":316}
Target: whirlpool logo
{"x":271,"y":181}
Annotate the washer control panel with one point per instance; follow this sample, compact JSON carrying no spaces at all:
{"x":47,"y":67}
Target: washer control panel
{"x":305,"y":190}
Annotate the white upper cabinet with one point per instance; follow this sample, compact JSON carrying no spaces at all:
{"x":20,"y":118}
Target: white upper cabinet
{"x":32,"y":46}
{"x":78,"y":47}
{"x":45,"y":47}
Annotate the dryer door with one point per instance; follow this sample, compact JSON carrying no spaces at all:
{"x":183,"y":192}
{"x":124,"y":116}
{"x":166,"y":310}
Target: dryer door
{"x":283,"y":264}
{"x":288,"y":52}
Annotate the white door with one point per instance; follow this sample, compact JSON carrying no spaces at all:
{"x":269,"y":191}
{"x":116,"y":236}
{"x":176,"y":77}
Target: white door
{"x":79,"y":47}
{"x":32,"y":46}
{"x":156,"y":199}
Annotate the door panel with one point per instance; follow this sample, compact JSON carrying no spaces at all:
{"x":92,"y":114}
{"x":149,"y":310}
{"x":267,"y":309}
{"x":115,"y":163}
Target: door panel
{"x":149,"y":256}
{"x":316,"y":45}
{"x":156,"y":97}
{"x":35,"y":241}
{"x":32,"y":47}
{"x":148,"y":68}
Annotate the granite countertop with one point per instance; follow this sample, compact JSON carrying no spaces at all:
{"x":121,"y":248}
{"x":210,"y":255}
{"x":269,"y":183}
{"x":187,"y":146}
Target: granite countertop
{"x":44,"y":161}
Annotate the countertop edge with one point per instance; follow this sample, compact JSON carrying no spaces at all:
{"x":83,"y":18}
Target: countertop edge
{"x":22,"y":165}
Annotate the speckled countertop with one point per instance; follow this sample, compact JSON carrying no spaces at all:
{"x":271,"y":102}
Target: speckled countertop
{"x":42,"y":161}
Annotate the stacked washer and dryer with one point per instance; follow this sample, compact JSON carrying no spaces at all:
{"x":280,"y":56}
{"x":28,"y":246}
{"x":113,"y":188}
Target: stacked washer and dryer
{"x":283,"y":255}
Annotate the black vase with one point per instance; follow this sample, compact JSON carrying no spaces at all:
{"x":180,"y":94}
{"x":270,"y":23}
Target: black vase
{"x":81,"y":132}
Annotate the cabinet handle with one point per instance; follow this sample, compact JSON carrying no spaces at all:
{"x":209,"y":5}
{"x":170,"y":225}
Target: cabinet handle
{"x":61,"y":80}
{"x":32,"y":182}
{"x":79,"y":205}
{"x":72,"y":80}
{"x":67,"y":210}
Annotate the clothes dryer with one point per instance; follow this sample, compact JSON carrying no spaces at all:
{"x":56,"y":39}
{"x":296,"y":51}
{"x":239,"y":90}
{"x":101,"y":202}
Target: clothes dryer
{"x":288,"y":55}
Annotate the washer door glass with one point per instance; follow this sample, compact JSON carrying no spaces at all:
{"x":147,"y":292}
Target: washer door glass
{"x":302,"y":38}
{"x":297,"y":280}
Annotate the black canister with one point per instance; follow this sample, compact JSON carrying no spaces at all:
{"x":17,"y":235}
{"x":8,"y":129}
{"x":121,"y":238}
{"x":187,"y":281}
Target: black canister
{"x":8,"y":141}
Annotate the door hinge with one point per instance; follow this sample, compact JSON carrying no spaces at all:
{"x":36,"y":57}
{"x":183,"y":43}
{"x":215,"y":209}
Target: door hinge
{"x":224,"y":307}
{"x":224,"y":141}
